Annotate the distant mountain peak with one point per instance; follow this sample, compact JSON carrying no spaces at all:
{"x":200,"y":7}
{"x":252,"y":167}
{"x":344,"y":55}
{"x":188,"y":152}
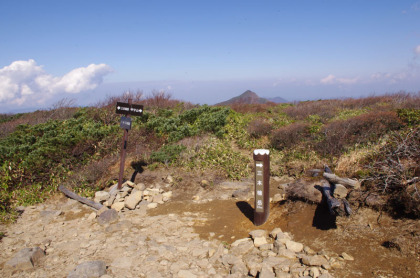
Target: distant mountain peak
{"x":248,"y":97}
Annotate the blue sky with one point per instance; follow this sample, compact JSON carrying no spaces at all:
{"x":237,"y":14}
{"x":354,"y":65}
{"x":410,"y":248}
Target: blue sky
{"x":205,"y":51}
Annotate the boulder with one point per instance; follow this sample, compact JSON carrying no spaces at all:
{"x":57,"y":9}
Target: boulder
{"x":132,"y":200}
{"x":108,"y":216}
{"x":91,"y":269}
{"x":26,"y":259}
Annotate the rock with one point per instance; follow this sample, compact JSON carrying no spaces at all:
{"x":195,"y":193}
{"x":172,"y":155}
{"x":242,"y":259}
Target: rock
{"x":89,"y":270}
{"x":186,"y":274}
{"x":91,"y":216}
{"x":278,"y":198}
{"x":129,"y":183}
{"x":314,"y":272}
{"x":158,"y":199}
{"x":316,"y":260}
{"x":132,"y":200}
{"x":239,"y":267}
{"x":340,"y":191}
{"x":258,"y":241}
{"x":108,"y":216}
{"x":239,"y":241}
{"x":286,"y":253}
{"x":242,"y":248}
{"x":50,"y":213}
{"x":152,"y":205}
{"x":118,"y":206}
{"x":111,"y":200}
{"x":101,"y":196}
{"x":266,"y":272}
{"x":167,"y":194}
{"x":346,"y":257}
{"x":26,"y":259}
{"x":169,"y":179}
{"x":257,"y":233}
{"x":294,"y":246}
{"x":274,"y":233}
{"x":195,"y":198}
{"x":140,"y":186}
{"x":205,"y":183}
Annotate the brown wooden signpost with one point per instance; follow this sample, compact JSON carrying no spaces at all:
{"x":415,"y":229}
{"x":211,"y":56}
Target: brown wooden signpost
{"x":125,"y":123}
{"x":262,"y":184}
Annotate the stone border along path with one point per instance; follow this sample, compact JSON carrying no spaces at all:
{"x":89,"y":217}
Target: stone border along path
{"x":67,"y":239}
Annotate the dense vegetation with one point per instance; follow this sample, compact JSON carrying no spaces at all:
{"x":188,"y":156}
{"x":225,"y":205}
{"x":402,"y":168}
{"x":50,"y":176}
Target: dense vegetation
{"x":375,"y":139}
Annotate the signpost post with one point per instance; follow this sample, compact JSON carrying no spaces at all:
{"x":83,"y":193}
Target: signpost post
{"x":126,"y":109}
{"x":262,"y":185}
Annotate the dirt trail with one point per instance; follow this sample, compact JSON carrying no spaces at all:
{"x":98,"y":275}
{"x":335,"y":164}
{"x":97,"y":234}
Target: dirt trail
{"x":361,"y":235}
{"x":381,"y":246}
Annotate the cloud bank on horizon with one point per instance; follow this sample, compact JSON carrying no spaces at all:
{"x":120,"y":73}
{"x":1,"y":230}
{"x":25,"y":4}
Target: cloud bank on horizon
{"x":23,"y":83}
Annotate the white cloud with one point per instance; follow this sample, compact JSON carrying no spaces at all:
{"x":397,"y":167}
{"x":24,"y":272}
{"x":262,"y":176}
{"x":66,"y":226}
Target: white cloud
{"x":24,"y":82}
{"x":417,"y":50}
{"x":331,"y":79}
{"x":328,"y":80}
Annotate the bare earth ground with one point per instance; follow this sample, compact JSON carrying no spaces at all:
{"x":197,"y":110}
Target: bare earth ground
{"x":381,"y":246}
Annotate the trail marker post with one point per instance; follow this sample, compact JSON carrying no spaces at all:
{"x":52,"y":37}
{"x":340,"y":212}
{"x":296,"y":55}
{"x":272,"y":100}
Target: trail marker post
{"x":262,"y":185}
{"x":125,"y":123}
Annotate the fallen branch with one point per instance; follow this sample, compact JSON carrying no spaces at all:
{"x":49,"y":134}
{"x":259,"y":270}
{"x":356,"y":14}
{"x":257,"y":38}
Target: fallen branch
{"x":76,"y":197}
{"x":344,"y":181}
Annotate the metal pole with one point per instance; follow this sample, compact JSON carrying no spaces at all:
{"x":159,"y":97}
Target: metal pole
{"x":262,"y":186}
{"x":123,"y":151}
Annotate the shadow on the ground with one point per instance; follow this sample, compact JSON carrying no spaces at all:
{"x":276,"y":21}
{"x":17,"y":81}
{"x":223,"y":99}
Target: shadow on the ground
{"x":246,"y":209}
{"x":323,"y":220}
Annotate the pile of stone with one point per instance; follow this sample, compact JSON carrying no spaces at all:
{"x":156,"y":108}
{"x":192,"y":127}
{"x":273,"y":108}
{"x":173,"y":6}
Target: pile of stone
{"x":131,"y":196}
{"x":277,"y":255}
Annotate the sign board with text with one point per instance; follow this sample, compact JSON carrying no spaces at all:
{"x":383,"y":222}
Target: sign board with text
{"x":262,"y":185}
{"x":129,"y":109}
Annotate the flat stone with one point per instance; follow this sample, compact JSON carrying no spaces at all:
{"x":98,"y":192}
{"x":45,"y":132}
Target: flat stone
{"x":26,"y":259}
{"x":239,"y":241}
{"x":186,"y":274}
{"x":101,"y":196}
{"x":108,"y":216}
{"x":132,"y":200}
{"x":152,"y":205}
{"x":258,"y":233}
{"x":294,"y":246}
{"x":347,"y":257}
{"x":286,"y":253}
{"x":242,"y":248}
{"x":316,"y":260}
{"x":118,"y":206}
{"x":258,"y":241}
{"x":140,"y":186}
{"x":158,"y":199}
{"x":91,"y":269}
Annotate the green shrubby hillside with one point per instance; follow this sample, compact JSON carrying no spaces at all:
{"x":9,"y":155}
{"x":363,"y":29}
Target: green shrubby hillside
{"x":375,"y":139}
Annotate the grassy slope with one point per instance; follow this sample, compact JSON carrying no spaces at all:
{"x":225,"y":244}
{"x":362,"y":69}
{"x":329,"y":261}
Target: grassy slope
{"x":358,"y":138}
